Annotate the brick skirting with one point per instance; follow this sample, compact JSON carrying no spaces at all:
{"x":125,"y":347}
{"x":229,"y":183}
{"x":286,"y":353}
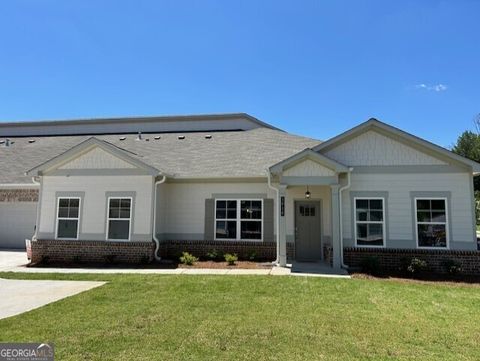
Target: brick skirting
{"x":18,"y":195}
{"x":91,"y":251}
{"x":263,"y":250}
{"x":392,"y":259}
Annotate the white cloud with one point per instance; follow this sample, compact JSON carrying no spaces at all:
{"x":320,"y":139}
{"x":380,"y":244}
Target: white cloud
{"x":435,"y":88}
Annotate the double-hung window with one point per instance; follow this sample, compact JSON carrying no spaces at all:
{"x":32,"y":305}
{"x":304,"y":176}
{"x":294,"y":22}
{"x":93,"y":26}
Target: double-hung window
{"x":119,"y":218}
{"x":238,"y":219}
{"x":370,"y":222}
{"x":431,"y":222}
{"x":68,"y":216}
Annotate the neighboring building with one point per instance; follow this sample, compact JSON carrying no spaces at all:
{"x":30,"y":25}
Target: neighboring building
{"x":103,"y":188}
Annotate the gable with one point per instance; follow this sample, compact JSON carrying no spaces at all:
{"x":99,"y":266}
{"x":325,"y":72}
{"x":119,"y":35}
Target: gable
{"x":97,"y":158}
{"x":308,"y":168}
{"x":371,"y":148}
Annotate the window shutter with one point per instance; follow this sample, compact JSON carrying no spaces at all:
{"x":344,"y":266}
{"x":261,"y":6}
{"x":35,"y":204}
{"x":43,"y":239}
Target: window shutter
{"x":209,"y":219}
{"x":268,"y":220}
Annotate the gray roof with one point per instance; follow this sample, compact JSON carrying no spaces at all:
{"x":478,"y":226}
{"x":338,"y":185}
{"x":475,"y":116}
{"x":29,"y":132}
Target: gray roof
{"x":226,"y":154}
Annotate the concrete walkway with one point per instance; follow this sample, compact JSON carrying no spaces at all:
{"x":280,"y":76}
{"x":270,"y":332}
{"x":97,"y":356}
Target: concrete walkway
{"x":19,"y":296}
{"x":16,"y":261}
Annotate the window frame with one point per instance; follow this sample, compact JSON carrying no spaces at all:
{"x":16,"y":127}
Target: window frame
{"x":238,"y":220}
{"x":446,"y":223}
{"x":383,"y":222}
{"x":119,"y":219}
{"x":68,"y":218}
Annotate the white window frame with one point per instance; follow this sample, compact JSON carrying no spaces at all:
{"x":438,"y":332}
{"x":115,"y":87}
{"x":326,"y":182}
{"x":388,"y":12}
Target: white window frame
{"x":68,"y":218}
{"x":383,"y":222}
{"x":238,"y":220}
{"x":119,"y":219}
{"x":446,"y":224}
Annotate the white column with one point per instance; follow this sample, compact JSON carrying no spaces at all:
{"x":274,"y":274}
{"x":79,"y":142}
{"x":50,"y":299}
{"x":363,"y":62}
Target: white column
{"x":282,"y":226}
{"x":336,"y":225}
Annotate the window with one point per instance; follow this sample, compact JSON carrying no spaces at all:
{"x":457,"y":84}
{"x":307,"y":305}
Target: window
{"x":431,"y":219}
{"x":119,"y":215}
{"x":68,"y":215}
{"x":369,"y":222}
{"x":238,"y":219}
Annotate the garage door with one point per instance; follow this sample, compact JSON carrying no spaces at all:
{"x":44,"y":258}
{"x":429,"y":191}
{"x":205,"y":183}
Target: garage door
{"x":17,"y":222}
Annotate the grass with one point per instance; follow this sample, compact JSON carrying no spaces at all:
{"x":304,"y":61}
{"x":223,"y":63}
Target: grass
{"x":153,"y":317}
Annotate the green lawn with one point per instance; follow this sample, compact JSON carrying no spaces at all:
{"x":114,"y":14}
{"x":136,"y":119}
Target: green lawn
{"x":148,"y":317}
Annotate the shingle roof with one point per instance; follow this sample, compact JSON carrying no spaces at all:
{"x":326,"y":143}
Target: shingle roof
{"x":226,"y":154}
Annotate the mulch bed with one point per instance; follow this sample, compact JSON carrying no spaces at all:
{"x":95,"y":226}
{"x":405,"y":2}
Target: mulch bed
{"x":224,"y":265}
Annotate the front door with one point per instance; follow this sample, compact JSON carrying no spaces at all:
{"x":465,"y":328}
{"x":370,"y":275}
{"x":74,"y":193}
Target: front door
{"x":307,"y":231}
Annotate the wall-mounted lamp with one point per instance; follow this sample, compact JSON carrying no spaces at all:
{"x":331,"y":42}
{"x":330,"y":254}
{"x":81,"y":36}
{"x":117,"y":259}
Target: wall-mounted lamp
{"x":307,"y":194}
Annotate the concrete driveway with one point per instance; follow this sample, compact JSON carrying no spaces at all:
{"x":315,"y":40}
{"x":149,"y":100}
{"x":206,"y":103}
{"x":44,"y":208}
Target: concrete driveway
{"x":11,"y":259}
{"x":19,"y":296}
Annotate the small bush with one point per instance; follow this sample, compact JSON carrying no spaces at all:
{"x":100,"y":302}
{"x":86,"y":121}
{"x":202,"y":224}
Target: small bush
{"x":145,"y":259}
{"x":110,"y":258}
{"x":451,"y":266}
{"x":371,"y":265}
{"x":45,"y":260}
{"x":188,"y":259}
{"x":77,"y":259}
{"x":416,"y":266}
{"x":252,"y":255}
{"x":213,"y":255}
{"x":231,"y":258}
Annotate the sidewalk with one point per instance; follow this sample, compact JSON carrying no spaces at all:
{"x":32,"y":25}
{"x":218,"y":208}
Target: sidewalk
{"x":16,"y":262}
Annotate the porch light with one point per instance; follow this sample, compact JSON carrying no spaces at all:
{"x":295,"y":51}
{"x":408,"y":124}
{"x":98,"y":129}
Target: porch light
{"x":307,"y":194}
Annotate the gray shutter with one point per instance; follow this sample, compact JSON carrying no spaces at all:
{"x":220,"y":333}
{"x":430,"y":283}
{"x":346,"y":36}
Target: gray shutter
{"x":268,"y":220}
{"x":209,"y":219}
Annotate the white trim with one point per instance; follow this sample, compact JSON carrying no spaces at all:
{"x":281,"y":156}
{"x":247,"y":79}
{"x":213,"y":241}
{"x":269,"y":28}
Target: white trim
{"x":57,"y":218}
{"x":383,"y":222}
{"x":238,"y":219}
{"x":447,"y":233}
{"x":119,"y":219}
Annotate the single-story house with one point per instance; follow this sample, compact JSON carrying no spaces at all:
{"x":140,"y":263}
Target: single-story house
{"x":138,"y":188}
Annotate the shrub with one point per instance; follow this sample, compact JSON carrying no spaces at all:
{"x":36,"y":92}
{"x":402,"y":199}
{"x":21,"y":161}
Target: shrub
{"x":252,"y":255}
{"x":231,"y":258}
{"x":145,"y":259}
{"x":416,"y":266}
{"x":213,"y":255}
{"x":371,"y":265}
{"x":188,"y":259}
{"x":77,"y":259}
{"x":451,"y":266}
{"x":110,"y":258}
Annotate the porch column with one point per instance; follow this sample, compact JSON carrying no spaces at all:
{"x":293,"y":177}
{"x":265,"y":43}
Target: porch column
{"x":282,"y":226}
{"x":336,"y":225}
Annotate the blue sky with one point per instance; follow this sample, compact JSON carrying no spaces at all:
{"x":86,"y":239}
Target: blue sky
{"x":311,"y":67}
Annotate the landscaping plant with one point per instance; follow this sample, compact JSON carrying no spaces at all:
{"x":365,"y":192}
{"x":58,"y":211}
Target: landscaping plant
{"x":188,"y":259}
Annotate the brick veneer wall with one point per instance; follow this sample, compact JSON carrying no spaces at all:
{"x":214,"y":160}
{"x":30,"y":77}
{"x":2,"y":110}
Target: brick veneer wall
{"x":391,"y":259}
{"x":91,"y":251}
{"x":18,"y":195}
{"x":172,"y":249}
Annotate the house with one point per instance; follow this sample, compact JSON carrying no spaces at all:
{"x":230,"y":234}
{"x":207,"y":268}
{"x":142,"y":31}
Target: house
{"x":135,"y":188}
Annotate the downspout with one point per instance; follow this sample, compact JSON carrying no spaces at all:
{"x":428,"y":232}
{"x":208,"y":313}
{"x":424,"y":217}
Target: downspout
{"x":345,"y":187}
{"x":277,"y":260}
{"x":157,"y":241}
{"x":34,"y":237}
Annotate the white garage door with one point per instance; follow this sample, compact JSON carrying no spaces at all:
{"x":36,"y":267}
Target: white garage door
{"x":17,"y":222}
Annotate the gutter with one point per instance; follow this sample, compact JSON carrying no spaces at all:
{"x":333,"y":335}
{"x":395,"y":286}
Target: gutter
{"x":345,"y":187}
{"x":277,"y":260}
{"x":157,"y":241}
